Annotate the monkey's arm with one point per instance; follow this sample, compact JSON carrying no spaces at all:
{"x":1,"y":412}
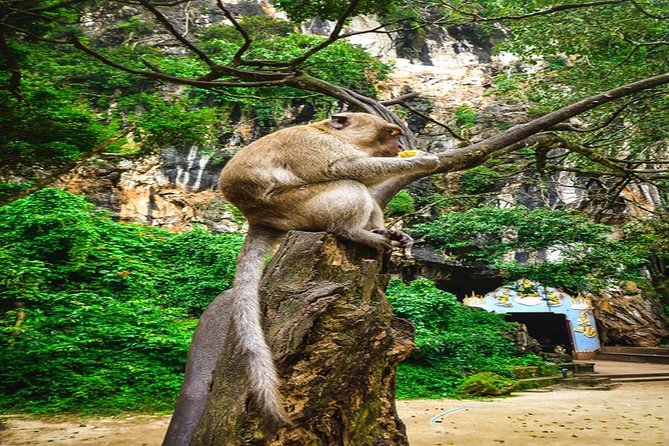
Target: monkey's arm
{"x":371,"y":171}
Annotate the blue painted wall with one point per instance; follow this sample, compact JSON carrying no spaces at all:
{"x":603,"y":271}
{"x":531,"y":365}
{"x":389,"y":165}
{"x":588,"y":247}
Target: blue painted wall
{"x":526,"y":296}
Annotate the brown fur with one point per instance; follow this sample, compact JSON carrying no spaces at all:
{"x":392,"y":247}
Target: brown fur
{"x":315,"y":178}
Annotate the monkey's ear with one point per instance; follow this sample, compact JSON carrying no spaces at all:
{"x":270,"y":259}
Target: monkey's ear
{"x":339,"y":121}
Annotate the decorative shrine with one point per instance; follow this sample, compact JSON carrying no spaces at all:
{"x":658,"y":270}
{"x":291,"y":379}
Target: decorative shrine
{"x":526,"y":297}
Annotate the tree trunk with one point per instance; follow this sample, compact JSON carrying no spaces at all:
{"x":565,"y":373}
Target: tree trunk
{"x":336,"y":347}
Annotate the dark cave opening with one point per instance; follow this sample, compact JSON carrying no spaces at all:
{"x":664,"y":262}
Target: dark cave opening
{"x":549,"y":329}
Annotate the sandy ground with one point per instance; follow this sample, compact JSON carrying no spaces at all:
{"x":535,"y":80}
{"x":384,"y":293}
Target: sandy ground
{"x":632,"y":414}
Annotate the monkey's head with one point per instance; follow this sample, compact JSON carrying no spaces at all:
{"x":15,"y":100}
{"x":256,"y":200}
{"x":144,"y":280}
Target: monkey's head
{"x":369,"y":133}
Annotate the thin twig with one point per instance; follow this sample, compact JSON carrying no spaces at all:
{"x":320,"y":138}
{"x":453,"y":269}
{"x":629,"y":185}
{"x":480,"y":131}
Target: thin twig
{"x":177,"y":35}
{"x":237,"y":58}
{"x":433,"y":121}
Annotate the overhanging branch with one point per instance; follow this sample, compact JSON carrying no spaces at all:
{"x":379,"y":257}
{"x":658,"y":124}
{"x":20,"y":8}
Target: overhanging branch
{"x":476,"y":153}
{"x":539,"y":12}
{"x":518,"y":137}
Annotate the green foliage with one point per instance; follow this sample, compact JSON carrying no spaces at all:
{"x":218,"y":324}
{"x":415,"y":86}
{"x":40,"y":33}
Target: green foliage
{"x":649,"y":239}
{"x":7,"y":189}
{"x":258,"y":27}
{"x":175,"y":123}
{"x":301,"y":10}
{"x":48,"y":127}
{"x":588,"y":259}
{"x":341,"y":63}
{"x":571,"y":50}
{"x":136,"y":25}
{"x":487,"y":383}
{"x":99,"y":313}
{"x":465,"y":116}
{"x":58,"y":118}
{"x":454,"y":341}
{"x":478,"y":179}
{"x":401,"y":204}
{"x":509,"y":88}
{"x":614,"y":44}
{"x":73,"y":102}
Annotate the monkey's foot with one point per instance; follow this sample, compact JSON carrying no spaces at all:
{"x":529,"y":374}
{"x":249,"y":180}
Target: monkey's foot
{"x":403,"y":239}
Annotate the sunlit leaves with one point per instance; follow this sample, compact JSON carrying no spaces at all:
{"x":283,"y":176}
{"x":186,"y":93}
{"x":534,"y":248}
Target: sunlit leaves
{"x":300,"y":10}
{"x":98,"y":315}
{"x":454,"y":341}
{"x":564,"y":249}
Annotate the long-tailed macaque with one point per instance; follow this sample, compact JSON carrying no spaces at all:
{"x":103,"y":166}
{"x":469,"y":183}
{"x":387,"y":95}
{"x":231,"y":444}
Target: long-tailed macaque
{"x":313,"y":178}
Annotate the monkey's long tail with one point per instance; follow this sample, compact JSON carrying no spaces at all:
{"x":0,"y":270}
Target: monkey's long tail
{"x":246,"y":316}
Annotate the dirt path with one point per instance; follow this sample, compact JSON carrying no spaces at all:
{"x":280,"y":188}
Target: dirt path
{"x":632,"y":414}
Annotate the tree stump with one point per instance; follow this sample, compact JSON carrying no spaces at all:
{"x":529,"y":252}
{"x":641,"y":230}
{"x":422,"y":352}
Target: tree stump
{"x":336,"y":346}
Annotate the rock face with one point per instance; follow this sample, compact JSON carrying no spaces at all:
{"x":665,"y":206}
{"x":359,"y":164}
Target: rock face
{"x":176,"y":190}
{"x":336,"y":346}
{"x":625,"y":317}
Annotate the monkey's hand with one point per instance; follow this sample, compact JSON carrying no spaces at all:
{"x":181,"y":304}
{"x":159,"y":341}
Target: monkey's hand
{"x":403,"y":239}
{"x":427,"y":160}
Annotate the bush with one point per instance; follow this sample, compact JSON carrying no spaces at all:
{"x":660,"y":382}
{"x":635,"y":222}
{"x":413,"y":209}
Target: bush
{"x":401,"y":204}
{"x":586,"y":257}
{"x":454,"y":341}
{"x":97,"y":315}
{"x":465,"y":116}
{"x":486,"y":383}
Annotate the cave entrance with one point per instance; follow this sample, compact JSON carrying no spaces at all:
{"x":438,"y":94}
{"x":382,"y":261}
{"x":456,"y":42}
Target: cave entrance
{"x":549,"y":329}
{"x":551,"y":316}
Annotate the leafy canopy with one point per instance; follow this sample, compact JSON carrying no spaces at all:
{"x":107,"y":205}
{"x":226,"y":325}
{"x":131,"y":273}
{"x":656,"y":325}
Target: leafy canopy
{"x":582,"y":255}
{"x":301,"y":10}
{"x":71,"y":102}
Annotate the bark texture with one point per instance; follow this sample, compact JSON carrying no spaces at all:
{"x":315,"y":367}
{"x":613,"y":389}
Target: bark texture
{"x":336,"y":346}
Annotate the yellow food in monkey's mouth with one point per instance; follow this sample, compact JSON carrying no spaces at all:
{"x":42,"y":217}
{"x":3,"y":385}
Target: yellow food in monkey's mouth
{"x":409,"y":153}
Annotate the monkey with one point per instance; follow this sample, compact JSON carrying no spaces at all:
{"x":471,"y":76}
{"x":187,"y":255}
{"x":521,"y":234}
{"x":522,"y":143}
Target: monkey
{"x":312,"y":177}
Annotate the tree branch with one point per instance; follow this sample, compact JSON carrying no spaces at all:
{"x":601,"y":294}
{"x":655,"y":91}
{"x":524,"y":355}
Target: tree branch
{"x":13,"y":67}
{"x":569,"y":128}
{"x":177,"y":35}
{"x":313,"y":50}
{"x":333,"y":37}
{"x":428,"y":118}
{"x":592,"y":156}
{"x":399,"y":99}
{"x":475,"y":153}
{"x":256,"y":78}
{"x":237,"y":58}
{"x":518,"y":137}
{"x":647,"y":13}
{"x":546,"y":11}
